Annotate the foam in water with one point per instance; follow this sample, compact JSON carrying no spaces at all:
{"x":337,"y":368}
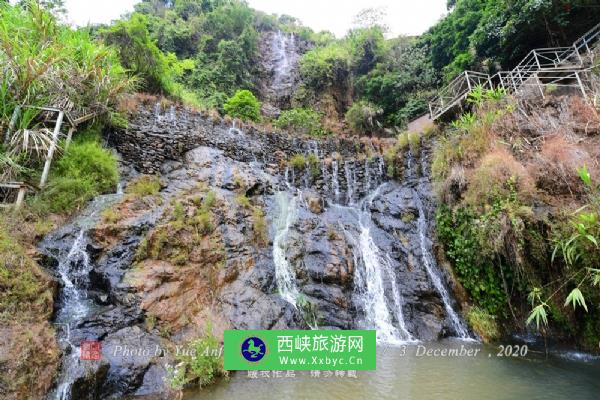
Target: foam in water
{"x":284,"y":274}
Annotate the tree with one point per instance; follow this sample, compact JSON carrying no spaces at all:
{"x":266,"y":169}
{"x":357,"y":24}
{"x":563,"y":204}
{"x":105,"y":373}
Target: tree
{"x":243,"y":105}
{"x":55,"y":7}
{"x":371,"y":17}
{"x":139,"y":53}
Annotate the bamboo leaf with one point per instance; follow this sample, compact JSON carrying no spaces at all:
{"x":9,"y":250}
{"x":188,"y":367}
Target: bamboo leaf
{"x":575,"y":298}
{"x":539,"y":315}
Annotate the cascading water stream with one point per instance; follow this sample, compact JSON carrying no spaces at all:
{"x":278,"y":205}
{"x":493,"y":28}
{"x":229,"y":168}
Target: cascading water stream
{"x":429,"y":261}
{"x":234,"y":129}
{"x":378,"y":313}
{"x":284,"y":274}
{"x":335,"y":183}
{"x":349,"y":182}
{"x":73,"y":270}
{"x":284,"y":46}
{"x":373,"y":270}
{"x":432,"y":271}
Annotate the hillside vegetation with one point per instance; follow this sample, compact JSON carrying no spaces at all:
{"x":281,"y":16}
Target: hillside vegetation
{"x":519,"y":187}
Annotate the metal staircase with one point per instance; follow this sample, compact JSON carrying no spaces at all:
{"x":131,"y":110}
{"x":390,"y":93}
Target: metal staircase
{"x":540,"y":70}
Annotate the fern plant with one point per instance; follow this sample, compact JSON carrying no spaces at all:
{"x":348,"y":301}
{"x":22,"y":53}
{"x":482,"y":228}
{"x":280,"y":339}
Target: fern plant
{"x":580,"y":252}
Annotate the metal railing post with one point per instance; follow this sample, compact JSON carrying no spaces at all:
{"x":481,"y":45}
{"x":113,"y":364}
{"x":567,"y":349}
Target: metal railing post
{"x":537,"y":60}
{"x":581,"y":86}
{"x":69,"y":137}
{"x":51,"y":149}
{"x":20,"y":196}
{"x":468,"y":81}
{"x":539,"y":85}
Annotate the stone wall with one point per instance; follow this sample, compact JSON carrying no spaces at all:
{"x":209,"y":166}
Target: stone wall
{"x":154,"y":137}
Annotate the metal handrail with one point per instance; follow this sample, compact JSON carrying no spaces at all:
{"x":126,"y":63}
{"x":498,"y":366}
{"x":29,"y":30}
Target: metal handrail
{"x":560,"y":59}
{"x":587,"y":38}
{"x":458,"y":88}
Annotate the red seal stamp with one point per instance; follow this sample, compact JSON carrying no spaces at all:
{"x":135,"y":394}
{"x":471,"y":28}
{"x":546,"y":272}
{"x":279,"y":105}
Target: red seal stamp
{"x":91,"y":350}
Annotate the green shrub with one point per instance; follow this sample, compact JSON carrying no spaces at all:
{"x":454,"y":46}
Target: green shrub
{"x":144,"y":185}
{"x":302,"y":120}
{"x":483,"y":324}
{"x":363,"y":116}
{"x":22,"y":283}
{"x":90,"y":161}
{"x":459,"y":233}
{"x":243,"y":201}
{"x":314,"y":164}
{"x":414,"y":139}
{"x":325,"y":66}
{"x":201,"y":365}
{"x":140,"y":55}
{"x":85,"y":171}
{"x":298,"y":161}
{"x":243,"y":105}
{"x":203,"y":222}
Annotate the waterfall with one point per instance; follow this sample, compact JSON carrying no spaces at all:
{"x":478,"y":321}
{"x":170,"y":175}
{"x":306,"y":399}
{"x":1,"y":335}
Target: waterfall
{"x":73,"y":270}
{"x":434,"y":274}
{"x":172,"y":114}
{"x":369,"y":280}
{"x":349,"y":182}
{"x":324,"y":176}
{"x":282,"y":47}
{"x":306,"y":176}
{"x":367,"y":176}
{"x":377,"y":313}
{"x":335,"y":183}
{"x":287,"y":177}
{"x":157,"y":111}
{"x":234,"y":129}
{"x":381,"y":167}
{"x":429,"y":261}
{"x":397,"y":297}
{"x":284,"y":274}
{"x":74,"y":265}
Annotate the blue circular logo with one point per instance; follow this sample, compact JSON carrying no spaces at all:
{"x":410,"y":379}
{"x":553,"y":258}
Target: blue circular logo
{"x":253,"y":349}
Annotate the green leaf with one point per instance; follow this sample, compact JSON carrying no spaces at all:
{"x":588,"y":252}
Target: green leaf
{"x":592,"y":239}
{"x":576,"y":297}
{"x":584,"y":175}
{"x":538,"y":314}
{"x":595,"y":276}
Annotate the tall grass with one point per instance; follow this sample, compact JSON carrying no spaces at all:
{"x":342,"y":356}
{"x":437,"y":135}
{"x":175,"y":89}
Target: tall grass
{"x":43,"y":63}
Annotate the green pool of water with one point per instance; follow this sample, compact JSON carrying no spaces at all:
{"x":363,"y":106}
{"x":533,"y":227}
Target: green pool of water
{"x":405,"y":373}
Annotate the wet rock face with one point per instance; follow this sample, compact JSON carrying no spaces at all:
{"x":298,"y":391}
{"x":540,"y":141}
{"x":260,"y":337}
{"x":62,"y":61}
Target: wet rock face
{"x":280,"y":55}
{"x":350,"y":238}
{"x":101,"y":307}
